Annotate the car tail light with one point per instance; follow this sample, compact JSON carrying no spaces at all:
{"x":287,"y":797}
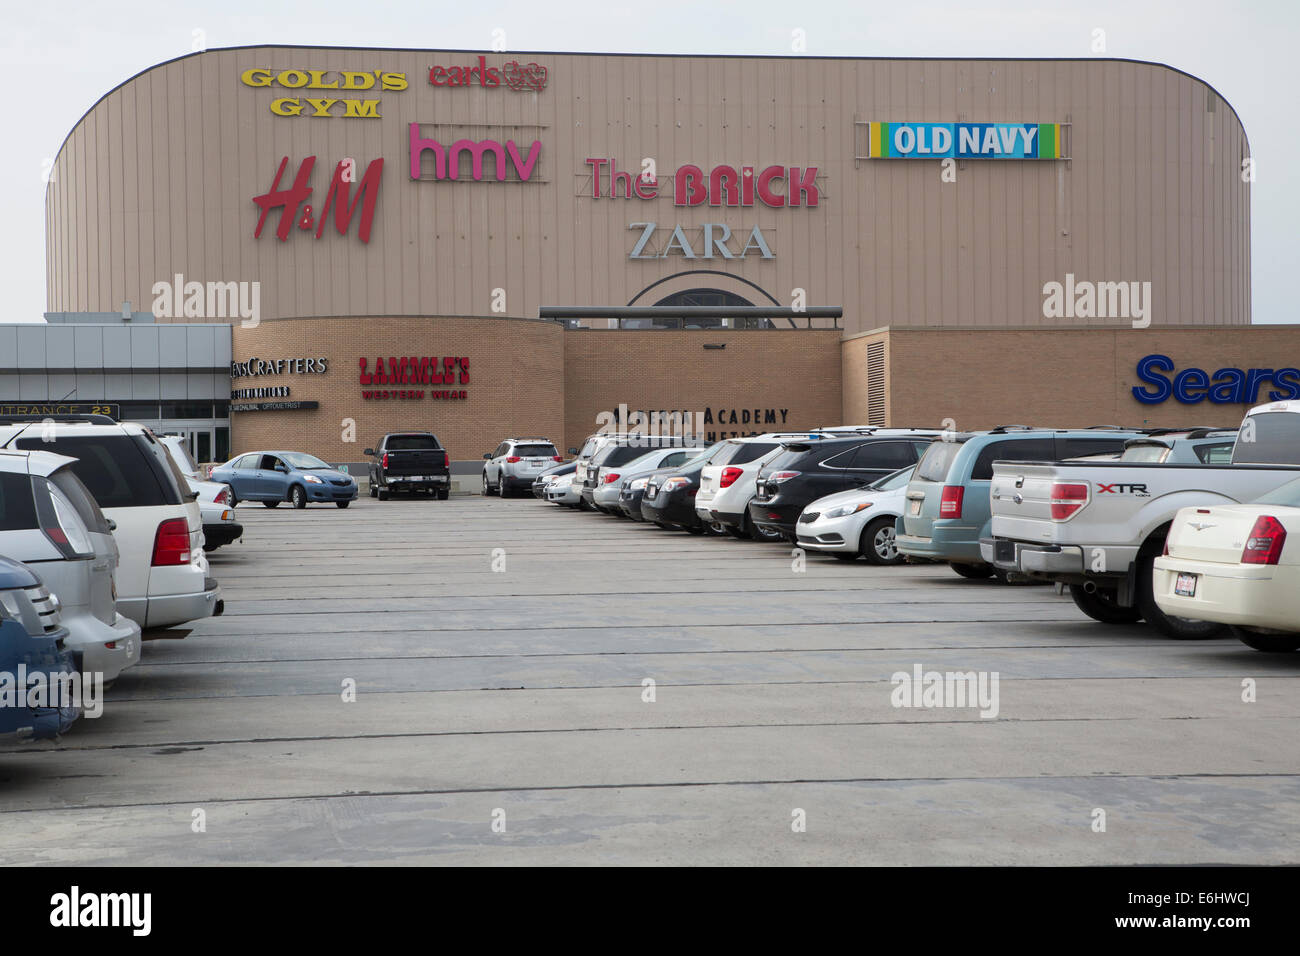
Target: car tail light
{"x":1265,"y":541}
{"x":556,"y":458}
{"x":171,"y":545}
{"x":223,"y":497}
{"x":1066,"y":499}
{"x":611,"y":477}
{"x":729,"y":476}
{"x":446,"y":459}
{"x":950,"y":501}
{"x":383,"y":462}
{"x":513,"y":459}
{"x":777,"y":477}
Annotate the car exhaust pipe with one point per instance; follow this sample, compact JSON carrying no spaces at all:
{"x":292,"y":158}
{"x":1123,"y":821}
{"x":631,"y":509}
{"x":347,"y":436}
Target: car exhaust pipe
{"x":1089,"y":587}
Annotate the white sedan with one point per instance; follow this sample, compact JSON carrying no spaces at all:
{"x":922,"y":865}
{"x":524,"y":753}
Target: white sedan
{"x":1234,"y":564}
{"x":857,"y":522}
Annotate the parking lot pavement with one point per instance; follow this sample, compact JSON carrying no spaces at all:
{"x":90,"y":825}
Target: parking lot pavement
{"x":501,"y":716}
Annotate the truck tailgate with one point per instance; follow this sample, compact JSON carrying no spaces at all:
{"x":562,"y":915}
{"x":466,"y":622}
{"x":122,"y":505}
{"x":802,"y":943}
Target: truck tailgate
{"x":1020,"y":497}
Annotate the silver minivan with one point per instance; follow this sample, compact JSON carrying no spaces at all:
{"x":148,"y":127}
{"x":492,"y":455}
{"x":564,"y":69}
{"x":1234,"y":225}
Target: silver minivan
{"x":50,"y":522}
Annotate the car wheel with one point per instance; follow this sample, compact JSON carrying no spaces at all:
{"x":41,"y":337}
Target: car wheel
{"x":1268,"y":643}
{"x":342,"y":504}
{"x":1180,"y":628}
{"x":444,"y":494}
{"x":373,"y":490}
{"x":716,"y":528}
{"x":298,"y":496}
{"x":976,"y":572}
{"x":382,"y":494}
{"x":762,"y":534}
{"x":880,"y":542}
{"x":234,"y":499}
{"x":1100,"y":605}
{"x":271,"y":504}
{"x":487,"y":489}
{"x":741,"y":533}
{"x":695,"y":528}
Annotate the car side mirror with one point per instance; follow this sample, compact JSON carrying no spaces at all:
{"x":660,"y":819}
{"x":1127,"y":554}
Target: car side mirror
{"x":283,"y":469}
{"x":369,"y":452}
{"x":573,"y":451}
{"x":193,"y":496}
{"x":112,"y":525}
{"x":487,"y":454}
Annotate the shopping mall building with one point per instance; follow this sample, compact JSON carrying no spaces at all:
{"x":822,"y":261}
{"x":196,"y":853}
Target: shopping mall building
{"x":488,"y":244}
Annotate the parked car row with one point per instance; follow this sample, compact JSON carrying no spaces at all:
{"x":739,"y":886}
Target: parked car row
{"x":102,"y":536}
{"x":1183,"y":528}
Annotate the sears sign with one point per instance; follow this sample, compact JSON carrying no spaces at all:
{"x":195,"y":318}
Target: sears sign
{"x":1226,"y":386}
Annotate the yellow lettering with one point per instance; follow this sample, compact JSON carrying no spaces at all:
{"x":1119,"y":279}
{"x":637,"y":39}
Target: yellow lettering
{"x":393,"y":82}
{"x":361,"y":109}
{"x":255,"y":77}
{"x":322,"y":107}
{"x":286,"y":107}
{"x":318,"y":81}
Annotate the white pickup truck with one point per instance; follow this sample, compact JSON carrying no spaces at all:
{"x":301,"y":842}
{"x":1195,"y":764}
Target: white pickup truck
{"x":1099,"y":526}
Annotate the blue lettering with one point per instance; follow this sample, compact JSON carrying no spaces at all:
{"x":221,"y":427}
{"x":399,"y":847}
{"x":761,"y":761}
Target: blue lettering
{"x":1227,"y":392}
{"x":1188,"y":379}
{"x":1148,"y":370}
{"x":1289,"y":379}
{"x":1254,"y":379}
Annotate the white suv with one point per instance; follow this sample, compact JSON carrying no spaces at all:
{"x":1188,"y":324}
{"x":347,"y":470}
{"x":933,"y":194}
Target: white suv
{"x":727,"y":483}
{"x":515,"y":465}
{"x":162,"y":575}
{"x":50,"y":522}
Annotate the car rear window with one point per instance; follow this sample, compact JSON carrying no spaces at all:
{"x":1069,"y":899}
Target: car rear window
{"x":937,"y":460}
{"x":794,"y":454}
{"x":1011,"y":449}
{"x":115,"y":468}
{"x":17,"y":506}
{"x":535,"y":451}
{"x":1218,"y":453}
{"x":750,"y":451}
{"x":66,"y":480}
{"x":618,"y":455}
{"x":412,"y":443}
{"x":1275,"y":440}
{"x":1151,"y":454}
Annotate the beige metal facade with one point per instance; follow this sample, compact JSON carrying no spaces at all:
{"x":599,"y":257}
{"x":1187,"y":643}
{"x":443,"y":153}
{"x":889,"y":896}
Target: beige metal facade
{"x":158,"y":180}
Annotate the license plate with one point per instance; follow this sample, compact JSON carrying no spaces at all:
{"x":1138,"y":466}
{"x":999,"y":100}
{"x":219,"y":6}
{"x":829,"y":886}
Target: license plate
{"x":1185,"y":585}
{"x":914,"y":506}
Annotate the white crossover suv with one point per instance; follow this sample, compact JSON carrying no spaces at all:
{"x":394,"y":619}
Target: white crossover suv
{"x":162,"y":577}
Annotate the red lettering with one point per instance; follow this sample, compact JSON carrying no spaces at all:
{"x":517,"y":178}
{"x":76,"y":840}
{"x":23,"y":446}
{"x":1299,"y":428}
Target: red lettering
{"x":765,"y":192}
{"x":367,"y":196}
{"x":438,"y":76}
{"x":595,"y":165}
{"x":366,"y":378}
{"x":688,"y":187}
{"x":803,"y":183}
{"x":747,"y":185}
{"x":464,"y":372}
{"x":723,"y":181}
{"x":286,"y":199}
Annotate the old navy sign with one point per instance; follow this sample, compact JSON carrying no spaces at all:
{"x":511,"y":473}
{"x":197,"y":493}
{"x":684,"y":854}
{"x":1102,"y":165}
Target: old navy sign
{"x":964,"y":140}
{"x":1226,"y":386}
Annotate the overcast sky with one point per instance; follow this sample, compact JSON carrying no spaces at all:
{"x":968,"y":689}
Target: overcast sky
{"x":59,"y":58}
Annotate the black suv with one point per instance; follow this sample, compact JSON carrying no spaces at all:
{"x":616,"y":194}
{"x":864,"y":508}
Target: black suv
{"x":808,"y":470}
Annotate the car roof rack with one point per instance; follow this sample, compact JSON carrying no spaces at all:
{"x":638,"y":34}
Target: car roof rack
{"x":1003,"y":429}
{"x":90,"y":418}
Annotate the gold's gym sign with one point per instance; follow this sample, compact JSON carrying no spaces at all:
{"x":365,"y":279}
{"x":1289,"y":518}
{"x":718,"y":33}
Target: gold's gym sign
{"x":323,"y":92}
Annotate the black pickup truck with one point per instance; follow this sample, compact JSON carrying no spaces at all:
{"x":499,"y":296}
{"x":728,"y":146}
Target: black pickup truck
{"x":409,"y":461}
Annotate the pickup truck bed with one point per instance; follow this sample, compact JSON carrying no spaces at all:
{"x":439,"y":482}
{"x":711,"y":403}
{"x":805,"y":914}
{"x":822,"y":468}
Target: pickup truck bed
{"x":1098,"y":526}
{"x":409,"y":461}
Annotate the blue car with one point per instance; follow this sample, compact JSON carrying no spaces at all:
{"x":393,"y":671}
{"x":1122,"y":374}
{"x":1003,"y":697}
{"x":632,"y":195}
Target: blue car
{"x":32,"y":654}
{"x":275,"y":476}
